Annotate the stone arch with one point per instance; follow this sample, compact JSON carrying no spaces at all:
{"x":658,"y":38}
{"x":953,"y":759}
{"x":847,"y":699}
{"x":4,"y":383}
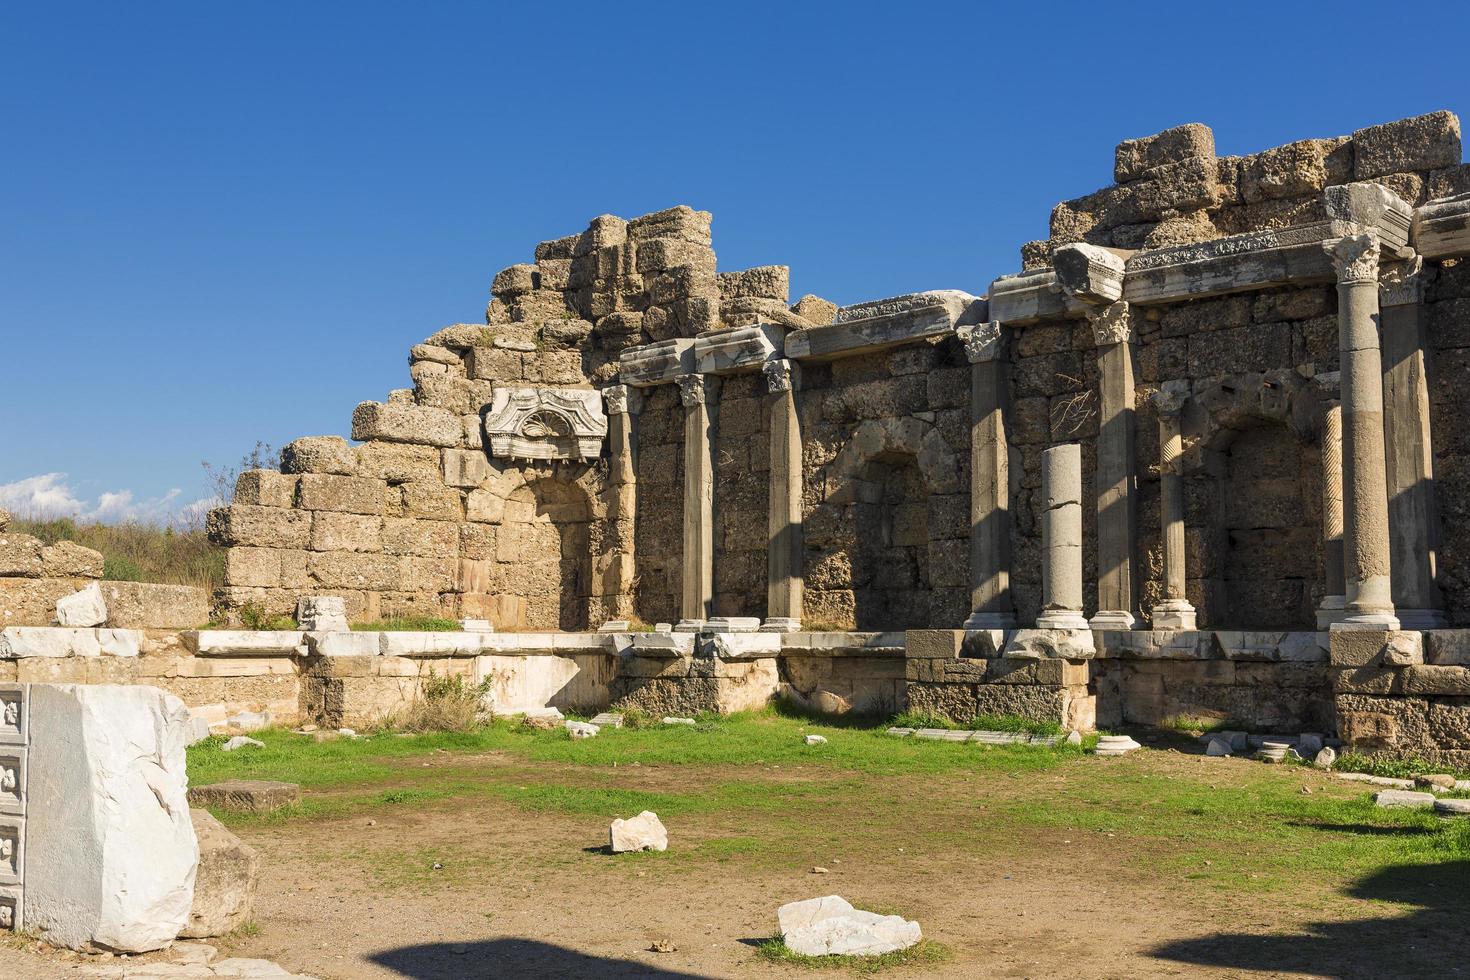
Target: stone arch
{"x":873,"y":558}
{"x":1253,"y":501}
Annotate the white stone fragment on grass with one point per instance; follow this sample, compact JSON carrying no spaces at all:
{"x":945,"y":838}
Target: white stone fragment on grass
{"x":249,"y":721}
{"x":198,"y":728}
{"x":931,"y":733}
{"x":608,"y":718}
{"x":110,"y":850}
{"x":1325,"y":758}
{"x":1363,"y":777}
{"x":678,"y":721}
{"x":581,"y":729}
{"x":240,"y":741}
{"x":1218,"y":747}
{"x":830,"y":926}
{"x":641,"y":833}
{"x":815,"y":740}
{"x":1308,"y":744}
{"x":1403,"y":798}
{"x":1452,"y":808}
{"x":1074,"y":737}
{"x":84,"y":608}
{"x":1109,"y":745}
{"x":900,"y":732}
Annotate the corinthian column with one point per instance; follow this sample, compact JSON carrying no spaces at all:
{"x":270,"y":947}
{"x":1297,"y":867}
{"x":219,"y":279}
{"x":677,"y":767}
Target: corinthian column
{"x":1366,"y":549}
{"x":990,"y":518}
{"x":783,"y":529}
{"x":699,"y":497}
{"x":1413,"y":512}
{"x":1334,"y":599}
{"x":622,"y":406}
{"x":1174,"y":612}
{"x":1116,"y":544}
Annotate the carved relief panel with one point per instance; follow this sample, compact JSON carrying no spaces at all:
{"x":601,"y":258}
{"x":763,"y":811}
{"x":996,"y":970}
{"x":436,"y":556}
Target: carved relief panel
{"x":546,"y":423}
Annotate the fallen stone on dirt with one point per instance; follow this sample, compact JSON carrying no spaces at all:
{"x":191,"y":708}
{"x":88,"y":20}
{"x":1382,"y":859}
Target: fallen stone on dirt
{"x":678,"y":721}
{"x":1326,"y":758}
{"x":1435,"y":780}
{"x":1218,"y":747}
{"x":246,"y":795}
{"x":1074,"y":737}
{"x":900,"y":732}
{"x":1452,"y":808}
{"x":84,"y":608}
{"x":1403,"y":798}
{"x":831,"y":926}
{"x":224,"y":887}
{"x":241,"y":741}
{"x":641,"y":833}
{"x":1115,"y":745}
{"x":608,"y":718}
{"x":815,"y":740}
{"x":1363,"y":777}
{"x":580,"y":729}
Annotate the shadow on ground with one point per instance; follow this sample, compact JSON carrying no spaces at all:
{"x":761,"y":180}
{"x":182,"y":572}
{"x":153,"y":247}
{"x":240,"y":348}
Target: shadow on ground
{"x":1429,"y":940}
{"x":493,"y":959}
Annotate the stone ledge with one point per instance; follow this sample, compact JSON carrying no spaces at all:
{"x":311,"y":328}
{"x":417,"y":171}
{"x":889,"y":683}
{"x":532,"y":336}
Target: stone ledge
{"x":1441,"y":228}
{"x":1030,"y":297}
{"x":18,"y":642}
{"x":886,"y":323}
{"x":245,"y":643}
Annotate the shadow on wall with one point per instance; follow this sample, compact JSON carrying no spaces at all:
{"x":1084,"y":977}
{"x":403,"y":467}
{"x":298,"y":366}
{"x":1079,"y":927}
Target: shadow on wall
{"x":507,"y":958}
{"x":1420,"y":943}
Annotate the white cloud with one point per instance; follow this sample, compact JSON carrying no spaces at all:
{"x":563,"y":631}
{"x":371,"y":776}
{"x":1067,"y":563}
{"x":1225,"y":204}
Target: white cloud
{"x":49,"y":495}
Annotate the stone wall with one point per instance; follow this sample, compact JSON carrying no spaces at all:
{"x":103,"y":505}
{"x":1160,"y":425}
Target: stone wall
{"x":659,"y":531}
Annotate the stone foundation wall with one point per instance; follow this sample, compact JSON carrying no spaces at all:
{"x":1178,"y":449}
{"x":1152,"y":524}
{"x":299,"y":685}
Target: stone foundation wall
{"x":742,"y":479}
{"x":1447,"y":309}
{"x":659,"y":531}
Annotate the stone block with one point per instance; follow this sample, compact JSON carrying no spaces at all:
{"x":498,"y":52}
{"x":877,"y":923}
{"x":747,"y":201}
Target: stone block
{"x":495,"y":364}
{"x":83,"y":608}
{"x":762,"y":282}
{"x":1134,"y":158}
{"x":1428,"y":681}
{"x":406,"y":423}
{"x":225,"y":883}
{"x":514,"y":281}
{"x":111,"y":852}
{"x":398,"y":462}
{"x":269,"y":568}
{"x":354,"y":570}
{"x":465,"y":468}
{"x":342,"y":494}
{"x":266,"y":488}
{"x":1367,"y":648}
{"x":67,"y":559}
{"x":321,"y":612}
{"x":680,"y":222}
{"x":20,"y":554}
{"x":332,"y":531}
{"x":270,"y":527}
{"x":1293,"y":170}
{"x":644,"y":832}
{"x":318,"y":454}
{"x":432,"y":501}
{"x":933,"y":644}
{"x":1426,"y":142}
{"x":146,"y":605}
{"x":1447,"y":648}
{"x":246,"y":795}
{"x":409,"y":536}
{"x":815,"y":309}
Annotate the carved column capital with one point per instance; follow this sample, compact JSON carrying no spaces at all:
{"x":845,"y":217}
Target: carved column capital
{"x":622,"y":400}
{"x":983,"y":341}
{"x":781,"y":374}
{"x":1169,"y":397}
{"x":1401,"y":283}
{"x":1354,"y":258}
{"x":1111,"y":324}
{"x":691,"y":389}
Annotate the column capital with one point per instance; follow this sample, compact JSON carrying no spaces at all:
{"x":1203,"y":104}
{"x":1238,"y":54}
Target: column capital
{"x":1354,"y":257}
{"x":983,"y":341}
{"x":622,"y":400}
{"x":691,"y":389}
{"x":781,"y":374}
{"x":1169,"y":397}
{"x":1401,"y":283}
{"x":1111,"y":324}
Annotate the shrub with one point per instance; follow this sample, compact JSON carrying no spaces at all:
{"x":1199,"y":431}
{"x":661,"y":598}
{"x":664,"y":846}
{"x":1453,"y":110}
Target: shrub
{"x":254,"y":617}
{"x":446,"y":704}
{"x":137,"y":552}
{"x":412,"y":624}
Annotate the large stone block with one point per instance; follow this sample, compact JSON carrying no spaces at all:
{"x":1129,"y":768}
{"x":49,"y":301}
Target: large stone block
{"x":266,"y":488}
{"x":681,"y":222}
{"x":265,"y":567}
{"x":1134,"y":158}
{"x":67,"y":559}
{"x":406,"y":423}
{"x":762,"y":282}
{"x":331,"y":531}
{"x":20,"y":554}
{"x":226,"y":881}
{"x":432,"y":501}
{"x":111,"y":851}
{"x":397,"y":462}
{"x":344,"y":494}
{"x":318,"y":454}
{"x":268,"y":527}
{"x":146,"y":605}
{"x":407,"y":536}
{"x":1426,"y":142}
{"x":353,"y":570}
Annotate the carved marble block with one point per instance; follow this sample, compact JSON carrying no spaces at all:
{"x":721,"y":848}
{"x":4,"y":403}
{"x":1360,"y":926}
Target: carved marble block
{"x":546,"y":423}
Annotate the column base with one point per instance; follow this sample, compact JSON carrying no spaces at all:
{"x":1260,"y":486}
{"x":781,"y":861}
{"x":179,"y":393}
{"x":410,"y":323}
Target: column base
{"x":1331,"y":610}
{"x":991,"y":621}
{"x":1384,"y":622}
{"x":781,"y":624}
{"x":689,"y":626}
{"x":1174,"y":614}
{"x":1061,"y":619}
{"x":1113,"y":619}
{"x":1422,"y":619}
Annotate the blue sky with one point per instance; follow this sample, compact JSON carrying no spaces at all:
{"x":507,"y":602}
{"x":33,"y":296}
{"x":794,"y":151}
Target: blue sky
{"x":227,"y":223}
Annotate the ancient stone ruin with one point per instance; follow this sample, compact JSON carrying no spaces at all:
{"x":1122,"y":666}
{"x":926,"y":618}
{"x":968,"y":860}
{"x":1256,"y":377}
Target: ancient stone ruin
{"x":1197,"y":459}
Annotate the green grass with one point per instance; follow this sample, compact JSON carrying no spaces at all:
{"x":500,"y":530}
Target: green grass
{"x":1393,"y":768}
{"x":980,"y":723}
{"x":926,"y":952}
{"x":413,"y":624}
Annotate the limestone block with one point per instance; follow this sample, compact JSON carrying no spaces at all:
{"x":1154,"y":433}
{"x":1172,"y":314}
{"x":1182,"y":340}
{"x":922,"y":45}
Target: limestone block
{"x":321,"y":613}
{"x":1424,"y":681}
{"x":1367,"y":648}
{"x":67,"y":559}
{"x":831,"y":926}
{"x":405,"y":423}
{"x":409,"y":536}
{"x":353,"y":570}
{"x":265,"y":567}
{"x":762,"y":282}
{"x":1293,"y":170}
{"x":888,"y":322}
{"x":318,"y":454}
{"x":266,"y":488}
{"x":343,"y":644}
{"x":1403,"y":799}
{"x":514,"y":281}
{"x":146,"y":605}
{"x":332,"y":531}
{"x":17,"y":642}
{"x":1447,"y":648}
{"x":815,"y":309}
{"x":484,"y":506}
{"x":656,"y":363}
{"x":84,"y":608}
{"x":464,"y":467}
{"x":432,"y":501}
{"x":1069,"y":644}
{"x":416,"y":644}
{"x":681,"y":222}
{"x":111,"y":851}
{"x":1134,"y":158}
{"x":343,"y":494}
{"x":225,"y":883}
{"x":270,"y":527}
{"x":20,"y":554}
{"x":644,"y":832}
{"x":1426,"y":142}
{"x":398,"y":462}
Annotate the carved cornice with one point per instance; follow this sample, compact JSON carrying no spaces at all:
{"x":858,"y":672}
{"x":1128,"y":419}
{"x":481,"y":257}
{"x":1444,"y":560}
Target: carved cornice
{"x":546,"y":423}
{"x":1354,"y":258}
{"x":1402,"y":283}
{"x":1111,"y":324}
{"x":691,"y":389}
{"x":780,"y":375}
{"x":983,"y":341}
{"x":1169,"y":397}
{"x":1088,"y":272}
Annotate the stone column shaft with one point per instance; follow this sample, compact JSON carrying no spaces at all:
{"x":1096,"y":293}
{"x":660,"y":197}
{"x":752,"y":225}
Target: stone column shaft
{"x":1335,"y":599}
{"x":1175,"y":611}
{"x":1413,"y":511}
{"x":783,"y":537}
{"x":622,"y":406}
{"x":1366,"y":549}
{"x":1116,"y":525}
{"x":699,"y":489}
{"x":1061,"y":538}
{"x":991,"y":606}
